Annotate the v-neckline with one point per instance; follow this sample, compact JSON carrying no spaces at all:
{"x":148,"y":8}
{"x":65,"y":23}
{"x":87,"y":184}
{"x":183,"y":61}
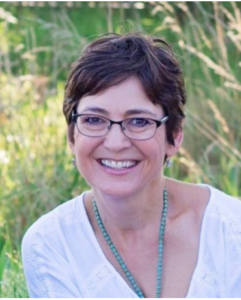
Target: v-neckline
{"x":117,"y":274}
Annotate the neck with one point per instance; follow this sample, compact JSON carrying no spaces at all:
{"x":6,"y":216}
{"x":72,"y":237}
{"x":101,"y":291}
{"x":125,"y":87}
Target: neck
{"x":134,"y":213}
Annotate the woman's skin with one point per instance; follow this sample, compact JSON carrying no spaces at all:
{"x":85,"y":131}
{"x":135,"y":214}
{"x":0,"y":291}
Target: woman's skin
{"x":130,"y":200}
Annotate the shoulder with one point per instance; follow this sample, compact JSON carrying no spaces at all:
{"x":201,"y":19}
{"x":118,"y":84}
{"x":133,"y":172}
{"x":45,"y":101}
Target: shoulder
{"x":224,"y":205}
{"x":220,"y":246}
{"x":49,"y":228}
{"x":48,"y":248}
{"x":223,"y":220}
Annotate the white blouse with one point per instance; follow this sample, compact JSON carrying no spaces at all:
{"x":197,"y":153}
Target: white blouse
{"x":62,"y":257}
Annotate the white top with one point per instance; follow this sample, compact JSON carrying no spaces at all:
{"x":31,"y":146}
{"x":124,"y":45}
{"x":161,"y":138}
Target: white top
{"x":62,"y":257}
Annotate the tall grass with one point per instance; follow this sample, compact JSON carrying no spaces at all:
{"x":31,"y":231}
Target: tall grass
{"x":209,"y":49}
{"x":36,"y":173}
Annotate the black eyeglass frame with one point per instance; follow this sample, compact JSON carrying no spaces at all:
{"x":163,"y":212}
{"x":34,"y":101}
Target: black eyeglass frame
{"x":158,"y":124}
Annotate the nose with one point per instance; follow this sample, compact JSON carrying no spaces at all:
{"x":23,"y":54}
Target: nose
{"x":115,"y":140}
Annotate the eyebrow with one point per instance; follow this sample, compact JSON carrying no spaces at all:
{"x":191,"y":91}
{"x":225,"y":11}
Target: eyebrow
{"x":127,"y":113}
{"x":139,"y":111}
{"x":95,"y":109}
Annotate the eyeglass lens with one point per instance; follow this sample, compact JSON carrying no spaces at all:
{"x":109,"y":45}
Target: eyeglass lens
{"x":135,"y":128}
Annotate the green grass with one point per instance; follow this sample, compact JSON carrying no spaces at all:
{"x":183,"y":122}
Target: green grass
{"x":37,"y":50}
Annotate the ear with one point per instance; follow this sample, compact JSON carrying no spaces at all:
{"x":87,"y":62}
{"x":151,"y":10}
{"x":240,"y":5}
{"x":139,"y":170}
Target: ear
{"x":178,"y":139}
{"x":70,"y":141}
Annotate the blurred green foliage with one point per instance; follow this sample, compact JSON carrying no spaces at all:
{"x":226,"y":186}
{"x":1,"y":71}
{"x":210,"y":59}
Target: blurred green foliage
{"x":38,"y":46}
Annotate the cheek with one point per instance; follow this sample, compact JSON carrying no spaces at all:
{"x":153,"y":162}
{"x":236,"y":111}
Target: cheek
{"x":154,"y":153}
{"x":82,"y":158}
{"x":158,"y":155}
{"x":84,"y":150}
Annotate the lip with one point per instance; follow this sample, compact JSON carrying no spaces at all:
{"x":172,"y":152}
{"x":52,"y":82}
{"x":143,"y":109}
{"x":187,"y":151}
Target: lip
{"x":116,"y":171}
{"x":126,"y":159}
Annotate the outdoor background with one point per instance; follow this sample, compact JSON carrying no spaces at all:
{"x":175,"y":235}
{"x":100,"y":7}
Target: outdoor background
{"x":39,"y":42}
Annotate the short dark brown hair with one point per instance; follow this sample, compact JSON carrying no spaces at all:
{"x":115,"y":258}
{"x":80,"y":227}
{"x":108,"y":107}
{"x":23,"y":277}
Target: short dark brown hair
{"x":113,"y":58}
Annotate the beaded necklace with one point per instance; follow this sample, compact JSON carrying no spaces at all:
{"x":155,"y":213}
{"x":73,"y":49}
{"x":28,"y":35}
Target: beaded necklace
{"x":120,"y":260}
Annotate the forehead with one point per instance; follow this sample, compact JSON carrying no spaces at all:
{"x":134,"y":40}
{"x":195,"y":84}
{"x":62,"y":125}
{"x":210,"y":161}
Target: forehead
{"x":118,"y":99}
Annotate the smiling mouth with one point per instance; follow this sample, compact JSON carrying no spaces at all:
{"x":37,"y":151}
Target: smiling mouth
{"x":118,"y":165}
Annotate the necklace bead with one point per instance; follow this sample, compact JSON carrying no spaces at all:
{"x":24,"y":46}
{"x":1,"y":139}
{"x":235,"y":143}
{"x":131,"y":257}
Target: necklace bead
{"x":118,"y":257}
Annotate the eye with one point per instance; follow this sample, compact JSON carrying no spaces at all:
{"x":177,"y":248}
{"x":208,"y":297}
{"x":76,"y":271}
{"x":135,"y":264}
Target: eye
{"x":92,"y":120}
{"x":139,"y":122}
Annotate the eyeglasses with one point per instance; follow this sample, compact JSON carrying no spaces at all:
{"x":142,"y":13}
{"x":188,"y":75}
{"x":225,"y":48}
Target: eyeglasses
{"x":134,"y":128}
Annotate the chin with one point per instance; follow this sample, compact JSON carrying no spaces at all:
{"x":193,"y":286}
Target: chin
{"x":114,"y":191}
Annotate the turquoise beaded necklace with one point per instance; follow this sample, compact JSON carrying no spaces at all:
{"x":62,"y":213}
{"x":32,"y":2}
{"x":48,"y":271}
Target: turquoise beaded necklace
{"x":120,"y":260}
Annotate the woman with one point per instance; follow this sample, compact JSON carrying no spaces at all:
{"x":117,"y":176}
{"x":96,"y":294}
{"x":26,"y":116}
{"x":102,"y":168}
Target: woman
{"x":135,"y":233}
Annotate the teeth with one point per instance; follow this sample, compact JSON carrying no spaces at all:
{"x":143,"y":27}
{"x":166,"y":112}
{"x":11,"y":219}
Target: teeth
{"x":117,"y":165}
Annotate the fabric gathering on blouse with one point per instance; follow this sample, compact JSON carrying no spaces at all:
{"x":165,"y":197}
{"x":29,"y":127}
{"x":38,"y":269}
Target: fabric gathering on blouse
{"x":63,"y":259}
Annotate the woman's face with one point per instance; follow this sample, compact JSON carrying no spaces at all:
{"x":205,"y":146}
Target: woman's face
{"x":125,"y":100}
